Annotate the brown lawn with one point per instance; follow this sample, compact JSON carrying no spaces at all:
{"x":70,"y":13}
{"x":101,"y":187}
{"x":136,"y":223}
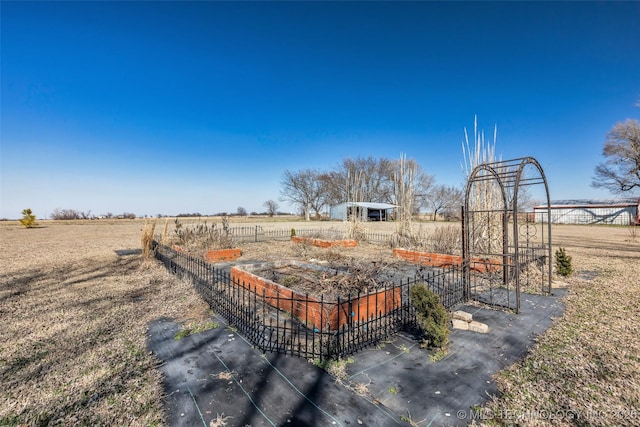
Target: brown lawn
{"x":74,"y":305}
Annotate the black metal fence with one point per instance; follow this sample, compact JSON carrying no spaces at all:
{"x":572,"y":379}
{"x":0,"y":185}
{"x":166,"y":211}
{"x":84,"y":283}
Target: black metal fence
{"x":309,"y":327}
{"x":254,"y":234}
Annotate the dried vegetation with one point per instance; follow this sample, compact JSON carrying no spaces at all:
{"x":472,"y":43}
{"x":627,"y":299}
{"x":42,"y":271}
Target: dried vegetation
{"x":584,"y":370}
{"x":76,"y":299}
{"x":74,"y":316}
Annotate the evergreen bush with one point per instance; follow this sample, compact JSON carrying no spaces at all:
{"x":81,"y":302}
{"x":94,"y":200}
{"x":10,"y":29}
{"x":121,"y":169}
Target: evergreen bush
{"x":28,"y":219}
{"x":563,"y":263}
{"x":432,"y":317}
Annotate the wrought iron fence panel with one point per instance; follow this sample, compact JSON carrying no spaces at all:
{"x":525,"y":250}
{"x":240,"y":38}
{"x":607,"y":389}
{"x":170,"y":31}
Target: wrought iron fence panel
{"x":313,"y":328}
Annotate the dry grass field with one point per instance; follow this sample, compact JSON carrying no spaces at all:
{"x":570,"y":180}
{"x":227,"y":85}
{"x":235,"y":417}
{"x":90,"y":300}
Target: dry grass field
{"x":75,"y":300}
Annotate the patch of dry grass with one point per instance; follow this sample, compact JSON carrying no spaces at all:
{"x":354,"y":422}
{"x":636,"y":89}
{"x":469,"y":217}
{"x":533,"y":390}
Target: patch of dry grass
{"x":74,"y":322}
{"x":584,"y":370}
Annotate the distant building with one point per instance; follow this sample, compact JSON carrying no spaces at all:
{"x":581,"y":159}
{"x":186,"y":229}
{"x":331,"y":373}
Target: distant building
{"x":366,"y":211}
{"x":613,"y":211}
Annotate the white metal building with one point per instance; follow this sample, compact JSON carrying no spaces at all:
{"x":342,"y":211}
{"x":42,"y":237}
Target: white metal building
{"x":367,"y":211}
{"x":613,"y":211}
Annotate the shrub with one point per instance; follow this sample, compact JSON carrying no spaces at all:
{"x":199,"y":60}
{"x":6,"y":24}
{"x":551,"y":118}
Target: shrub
{"x":432,"y":317}
{"x":65,"y":214}
{"x":563,"y":263}
{"x":28,"y":219}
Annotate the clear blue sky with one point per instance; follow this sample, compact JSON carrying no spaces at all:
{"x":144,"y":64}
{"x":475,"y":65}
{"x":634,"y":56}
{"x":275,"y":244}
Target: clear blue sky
{"x":171,"y":107}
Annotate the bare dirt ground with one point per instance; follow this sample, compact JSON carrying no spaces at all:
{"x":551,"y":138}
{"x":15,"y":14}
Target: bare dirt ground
{"x":76,"y":298}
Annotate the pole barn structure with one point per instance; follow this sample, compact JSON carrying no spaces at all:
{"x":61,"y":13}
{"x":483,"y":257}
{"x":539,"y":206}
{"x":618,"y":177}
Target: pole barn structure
{"x":614,"y":211}
{"x":365,"y":211}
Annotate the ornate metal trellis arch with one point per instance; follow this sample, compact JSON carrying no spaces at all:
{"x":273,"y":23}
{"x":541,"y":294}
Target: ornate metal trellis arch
{"x":504,"y":248}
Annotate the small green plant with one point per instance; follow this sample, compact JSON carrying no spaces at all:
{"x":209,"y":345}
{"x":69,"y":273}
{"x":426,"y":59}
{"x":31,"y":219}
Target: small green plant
{"x":393,"y":390}
{"x":563,"y":263}
{"x":28,"y":219}
{"x":431,"y":315}
{"x":195,"y":328}
{"x":293,"y":232}
{"x":438,"y":355}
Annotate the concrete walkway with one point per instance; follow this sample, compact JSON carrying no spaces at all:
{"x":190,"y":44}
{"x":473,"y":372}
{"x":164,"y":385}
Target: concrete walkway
{"x":217,"y":372}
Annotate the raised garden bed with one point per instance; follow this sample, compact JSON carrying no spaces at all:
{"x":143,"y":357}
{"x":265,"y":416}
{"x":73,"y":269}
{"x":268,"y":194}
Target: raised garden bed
{"x":303,"y":291}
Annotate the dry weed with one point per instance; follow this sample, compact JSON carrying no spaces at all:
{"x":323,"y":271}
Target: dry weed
{"x":220,"y":421}
{"x":361,"y":389}
{"x":148,"y":232}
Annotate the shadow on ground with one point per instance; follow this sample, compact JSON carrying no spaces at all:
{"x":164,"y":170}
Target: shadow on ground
{"x":217,"y":373}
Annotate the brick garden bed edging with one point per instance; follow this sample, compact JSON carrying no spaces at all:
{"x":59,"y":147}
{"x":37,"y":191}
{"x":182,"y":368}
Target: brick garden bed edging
{"x":220,"y":255}
{"x":325,"y":243}
{"x":217,"y":255}
{"x":481,"y":265}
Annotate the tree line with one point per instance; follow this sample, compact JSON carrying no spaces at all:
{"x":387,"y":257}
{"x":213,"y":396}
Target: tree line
{"x":368,"y":179}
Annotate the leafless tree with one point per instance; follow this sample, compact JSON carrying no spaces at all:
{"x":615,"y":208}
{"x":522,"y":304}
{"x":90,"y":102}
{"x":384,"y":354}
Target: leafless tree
{"x":305,"y":189}
{"x":241,"y":211}
{"x":272,"y":207}
{"x":375,"y":180}
{"x":443,"y":199}
{"x":620,"y":172}
{"x":66,"y":214}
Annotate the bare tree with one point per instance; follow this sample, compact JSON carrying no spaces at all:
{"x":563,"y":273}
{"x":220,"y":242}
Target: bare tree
{"x":241,"y":211}
{"x":65,"y":214}
{"x":305,"y":189}
{"x":422,"y":183}
{"x":372,"y":180}
{"x":272,"y":207}
{"x":443,"y":199}
{"x":620,"y":172}
{"x":375,"y":180}
{"x":375,"y":177}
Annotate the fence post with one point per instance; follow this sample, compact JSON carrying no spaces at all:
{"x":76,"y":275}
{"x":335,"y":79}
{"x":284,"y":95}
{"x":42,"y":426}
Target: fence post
{"x":337,"y":350}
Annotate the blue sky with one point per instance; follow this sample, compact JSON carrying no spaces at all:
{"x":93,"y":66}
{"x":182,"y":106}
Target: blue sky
{"x":172,"y":107}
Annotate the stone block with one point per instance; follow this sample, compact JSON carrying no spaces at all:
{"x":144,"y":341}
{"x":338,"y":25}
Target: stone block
{"x":478,"y":327}
{"x":462,"y":315}
{"x":460,"y":324}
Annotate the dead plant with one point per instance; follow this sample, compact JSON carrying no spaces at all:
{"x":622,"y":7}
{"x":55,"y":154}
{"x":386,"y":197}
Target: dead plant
{"x":203,"y":237}
{"x":484,"y":199}
{"x":446,"y":240}
{"x":148,"y":230}
{"x":404,"y":188}
{"x":164,"y":240}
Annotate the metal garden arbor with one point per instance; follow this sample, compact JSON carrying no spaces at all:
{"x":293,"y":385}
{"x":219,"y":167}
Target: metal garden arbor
{"x":504,"y":249}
